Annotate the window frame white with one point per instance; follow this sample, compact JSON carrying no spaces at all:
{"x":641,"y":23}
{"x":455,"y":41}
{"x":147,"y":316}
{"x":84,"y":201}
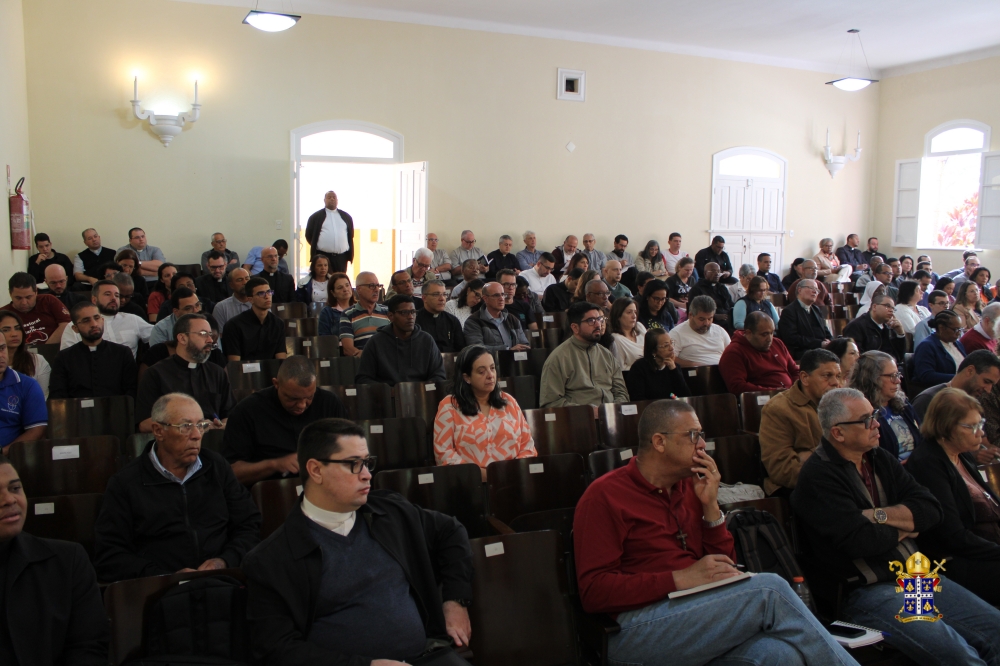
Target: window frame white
{"x":964,"y":123}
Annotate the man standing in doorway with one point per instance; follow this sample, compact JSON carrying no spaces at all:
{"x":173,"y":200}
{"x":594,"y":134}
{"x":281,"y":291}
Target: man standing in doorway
{"x":330,"y":231}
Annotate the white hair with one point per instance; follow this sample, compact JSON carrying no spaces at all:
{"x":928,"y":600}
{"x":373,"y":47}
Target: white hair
{"x":992,"y":311}
{"x":423,"y":253}
{"x":833,"y":408}
{"x":748,"y":270}
{"x":525,"y":235}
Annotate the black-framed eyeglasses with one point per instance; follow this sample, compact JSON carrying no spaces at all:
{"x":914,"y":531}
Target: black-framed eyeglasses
{"x":370,"y":285}
{"x":355,"y":463}
{"x":424,"y":266}
{"x":693,"y":435}
{"x":866,"y":422}
{"x":593,"y":321}
{"x":264,"y":294}
{"x":894,"y":376}
{"x":185,"y":428}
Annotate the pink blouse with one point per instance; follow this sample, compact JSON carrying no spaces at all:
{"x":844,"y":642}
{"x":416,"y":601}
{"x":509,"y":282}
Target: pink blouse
{"x":503,"y":434}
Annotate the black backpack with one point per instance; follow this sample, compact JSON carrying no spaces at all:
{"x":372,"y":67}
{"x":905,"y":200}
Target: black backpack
{"x":761,"y":544}
{"x":199,"y":621}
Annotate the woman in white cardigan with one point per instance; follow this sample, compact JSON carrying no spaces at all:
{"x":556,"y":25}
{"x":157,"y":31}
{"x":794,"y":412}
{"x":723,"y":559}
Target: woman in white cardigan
{"x":628,"y":335}
{"x":907,"y":311}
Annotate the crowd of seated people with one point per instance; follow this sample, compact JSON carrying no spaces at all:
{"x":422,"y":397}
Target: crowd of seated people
{"x":837,"y":400}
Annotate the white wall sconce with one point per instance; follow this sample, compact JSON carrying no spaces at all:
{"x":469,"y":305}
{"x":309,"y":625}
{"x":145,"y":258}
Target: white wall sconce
{"x":834,"y":163}
{"x":164,"y":126}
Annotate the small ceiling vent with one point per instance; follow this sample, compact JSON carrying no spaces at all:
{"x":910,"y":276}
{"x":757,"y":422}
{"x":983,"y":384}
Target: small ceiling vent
{"x":572,"y":85}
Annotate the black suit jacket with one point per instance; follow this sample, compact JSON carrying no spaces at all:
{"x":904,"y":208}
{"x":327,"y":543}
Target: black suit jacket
{"x":801,"y":330}
{"x":54,"y":610}
{"x":869,"y":337}
{"x":315,"y":224}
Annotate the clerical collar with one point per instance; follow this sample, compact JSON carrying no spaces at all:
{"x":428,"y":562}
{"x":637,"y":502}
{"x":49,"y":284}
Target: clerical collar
{"x":341,"y":523}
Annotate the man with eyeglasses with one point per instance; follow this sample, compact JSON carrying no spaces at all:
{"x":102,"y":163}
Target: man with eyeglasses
{"x":525,"y":309}
{"x":698,"y":341}
{"x":359,"y":322}
{"x":563,"y":254}
{"x":529,"y":256}
{"x":183,"y":281}
{"x":595,"y":258}
{"x":789,"y":424}
{"x":330,"y":231}
{"x":468,"y":250}
{"x":711,"y":286}
{"x":654,"y":527}
{"x":57,"y":281}
{"x":236,"y":304}
{"x":580,"y":371}
{"x":187,"y":372}
{"x":182,"y":301}
{"x":440,"y":259}
{"x":936,"y":302}
{"x":879,"y":330}
{"x":355,"y":575}
{"x":256,"y":334}
{"x":502,"y":259}
{"x":756,"y":360}
{"x":119,"y":327}
{"x":493,"y":327}
{"x":281,"y":283}
{"x":419,"y":271}
{"x":539,"y":276}
{"x":443,"y":326}
{"x":231,"y":259}
{"x":401,"y":351}
{"x":801,"y":326}
{"x":93,"y":367}
{"x":808,"y":270}
{"x":612,"y":274}
{"x":971,"y":264}
{"x":859,"y":510}
{"x":401,"y":284}
{"x":213,"y":284}
{"x":126,"y":296}
{"x":177,"y":507}
{"x":471,"y":270}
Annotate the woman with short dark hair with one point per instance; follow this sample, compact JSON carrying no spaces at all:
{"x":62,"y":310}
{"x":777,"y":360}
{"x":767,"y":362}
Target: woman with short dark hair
{"x":656,"y":375}
{"x":969,"y":531}
{"x":478,"y":423}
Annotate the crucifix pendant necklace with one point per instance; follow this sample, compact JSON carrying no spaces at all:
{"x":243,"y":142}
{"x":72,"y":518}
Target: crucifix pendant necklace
{"x":681,"y":536}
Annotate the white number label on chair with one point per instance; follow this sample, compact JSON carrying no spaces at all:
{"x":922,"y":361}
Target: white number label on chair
{"x":65,"y":452}
{"x":535,"y":334}
{"x":982,"y":473}
{"x":550,"y":417}
{"x":626,"y":454}
{"x":298,"y":490}
{"x":424,"y":478}
{"x":536,"y":468}
{"x":629,"y":410}
{"x":44,"y":508}
{"x":548,"y":318}
{"x":520,"y":356}
{"x":280,"y":308}
{"x":293,"y":324}
{"x":307,"y":343}
{"x":376,"y":430}
{"x":251,"y":367}
{"x":351,"y":392}
{"x":763,"y":399}
{"x":692,"y":373}
{"x":503,"y":384}
{"x":324,"y":364}
{"x":493,"y":549}
{"x":430,"y":387}
{"x":86,"y":403}
{"x":710,"y":445}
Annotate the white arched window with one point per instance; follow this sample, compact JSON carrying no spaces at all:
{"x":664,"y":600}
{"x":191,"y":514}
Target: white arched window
{"x":936,"y":202}
{"x":347,"y":141}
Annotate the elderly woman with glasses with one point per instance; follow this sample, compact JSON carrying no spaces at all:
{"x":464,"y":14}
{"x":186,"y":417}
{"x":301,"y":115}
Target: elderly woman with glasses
{"x":878,"y":378}
{"x":937,"y":357}
{"x":969,"y":532}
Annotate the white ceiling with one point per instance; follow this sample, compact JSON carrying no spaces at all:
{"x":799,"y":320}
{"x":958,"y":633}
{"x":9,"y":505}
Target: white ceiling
{"x":899,"y":35}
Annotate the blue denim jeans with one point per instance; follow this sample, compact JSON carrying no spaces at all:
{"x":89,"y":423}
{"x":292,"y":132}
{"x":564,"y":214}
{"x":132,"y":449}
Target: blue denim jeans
{"x":758,"y":621}
{"x":969,"y":633}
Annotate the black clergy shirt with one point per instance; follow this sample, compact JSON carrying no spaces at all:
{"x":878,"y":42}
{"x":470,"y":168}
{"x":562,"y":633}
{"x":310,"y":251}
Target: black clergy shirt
{"x":444,"y":328}
{"x":245,"y":336}
{"x":259,"y":428}
{"x":205,"y":382}
{"x":80,"y":371}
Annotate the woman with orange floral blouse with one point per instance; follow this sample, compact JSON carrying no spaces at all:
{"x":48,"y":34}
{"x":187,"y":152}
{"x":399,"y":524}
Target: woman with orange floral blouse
{"x":479,"y":423}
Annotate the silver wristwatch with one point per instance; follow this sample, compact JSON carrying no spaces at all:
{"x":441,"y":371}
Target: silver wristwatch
{"x":715,"y":523}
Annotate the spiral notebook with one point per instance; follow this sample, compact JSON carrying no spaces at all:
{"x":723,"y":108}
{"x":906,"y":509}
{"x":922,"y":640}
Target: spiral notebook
{"x":870,"y":638}
{"x":708,"y":586}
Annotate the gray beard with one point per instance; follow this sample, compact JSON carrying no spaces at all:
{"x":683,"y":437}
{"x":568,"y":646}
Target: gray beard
{"x":196,"y":355}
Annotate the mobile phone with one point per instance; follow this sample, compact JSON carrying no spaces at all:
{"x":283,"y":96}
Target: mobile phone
{"x":845,"y":632}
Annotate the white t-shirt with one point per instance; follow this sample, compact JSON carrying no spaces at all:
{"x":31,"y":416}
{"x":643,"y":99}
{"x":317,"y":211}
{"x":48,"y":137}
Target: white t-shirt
{"x":670,"y":260}
{"x":320,"y":291}
{"x":698,"y":348}
{"x":536,"y":283}
{"x":333,"y":235}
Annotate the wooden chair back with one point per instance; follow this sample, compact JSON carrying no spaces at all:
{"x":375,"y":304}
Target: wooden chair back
{"x":275,"y":499}
{"x":365,"y":401}
{"x":524,"y":389}
{"x":288,"y":311}
{"x":66,"y":466}
{"x":618,"y":424}
{"x":528,"y":485}
{"x":751,"y":405}
{"x":456,"y":490}
{"x":252,"y":375}
{"x":399,"y":443}
{"x":601,"y":462}
{"x":738,"y":459}
{"x":321,"y":346}
{"x":719,"y":414}
{"x":705,"y":380}
{"x":563,"y":429}
{"x":90,"y":417}
{"x":66,"y":517}
{"x":304,"y":327}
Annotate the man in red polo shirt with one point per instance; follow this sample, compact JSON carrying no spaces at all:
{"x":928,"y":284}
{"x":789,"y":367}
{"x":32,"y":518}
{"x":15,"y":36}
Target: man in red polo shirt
{"x":984,"y":334}
{"x":44,"y":316}
{"x":756,"y":360}
{"x":654,"y":527}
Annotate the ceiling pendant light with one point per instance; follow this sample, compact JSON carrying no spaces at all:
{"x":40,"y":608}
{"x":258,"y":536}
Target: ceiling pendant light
{"x":852,"y":83}
{"x":271,"y":21}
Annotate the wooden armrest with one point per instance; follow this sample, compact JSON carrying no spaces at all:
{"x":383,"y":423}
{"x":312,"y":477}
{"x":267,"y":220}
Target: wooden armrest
{"x":500,"y":526}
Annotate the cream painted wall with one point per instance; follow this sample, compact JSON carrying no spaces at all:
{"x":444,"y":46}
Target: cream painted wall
{"x":13,"y":126}
{"x":911,"y":106}
{"x":479,"y":107}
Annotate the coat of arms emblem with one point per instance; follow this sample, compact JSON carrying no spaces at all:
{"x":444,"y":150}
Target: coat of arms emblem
{"x":918,"y":585}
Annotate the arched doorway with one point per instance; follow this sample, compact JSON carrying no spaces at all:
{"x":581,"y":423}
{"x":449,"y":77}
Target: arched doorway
{"x":363,"y":163}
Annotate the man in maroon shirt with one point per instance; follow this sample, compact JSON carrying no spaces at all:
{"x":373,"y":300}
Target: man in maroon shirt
{"x":654,"y":527}
{"x":44,"y":316}
{"x":984,"y":334}
{"x":755,"y":360}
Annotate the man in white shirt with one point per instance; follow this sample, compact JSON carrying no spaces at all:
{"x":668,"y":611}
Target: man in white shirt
{"x":540,"y":276}
{"x":698,"y":341}
{"x":330,"y":231}
{"x":119,"y":327}
{"x":596,"y":258}
{"x":673,"y":253}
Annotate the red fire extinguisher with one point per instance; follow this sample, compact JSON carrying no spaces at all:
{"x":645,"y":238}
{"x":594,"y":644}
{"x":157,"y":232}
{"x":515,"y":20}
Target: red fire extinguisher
{"x":20,"y":233}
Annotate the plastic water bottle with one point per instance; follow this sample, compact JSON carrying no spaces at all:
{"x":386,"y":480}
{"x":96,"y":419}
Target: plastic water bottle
{"x":802,"y":590}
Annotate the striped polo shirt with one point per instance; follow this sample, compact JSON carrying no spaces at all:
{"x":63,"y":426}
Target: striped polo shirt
{"x":357,"y":324}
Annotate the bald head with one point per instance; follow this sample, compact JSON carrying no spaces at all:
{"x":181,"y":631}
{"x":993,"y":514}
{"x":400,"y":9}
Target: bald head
{"x":55,"y":278}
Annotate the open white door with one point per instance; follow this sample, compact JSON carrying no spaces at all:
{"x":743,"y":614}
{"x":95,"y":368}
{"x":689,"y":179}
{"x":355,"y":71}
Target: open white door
{"x":906,"y":203}
{"x":410,"y":227}
{"x":988,"y":224}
